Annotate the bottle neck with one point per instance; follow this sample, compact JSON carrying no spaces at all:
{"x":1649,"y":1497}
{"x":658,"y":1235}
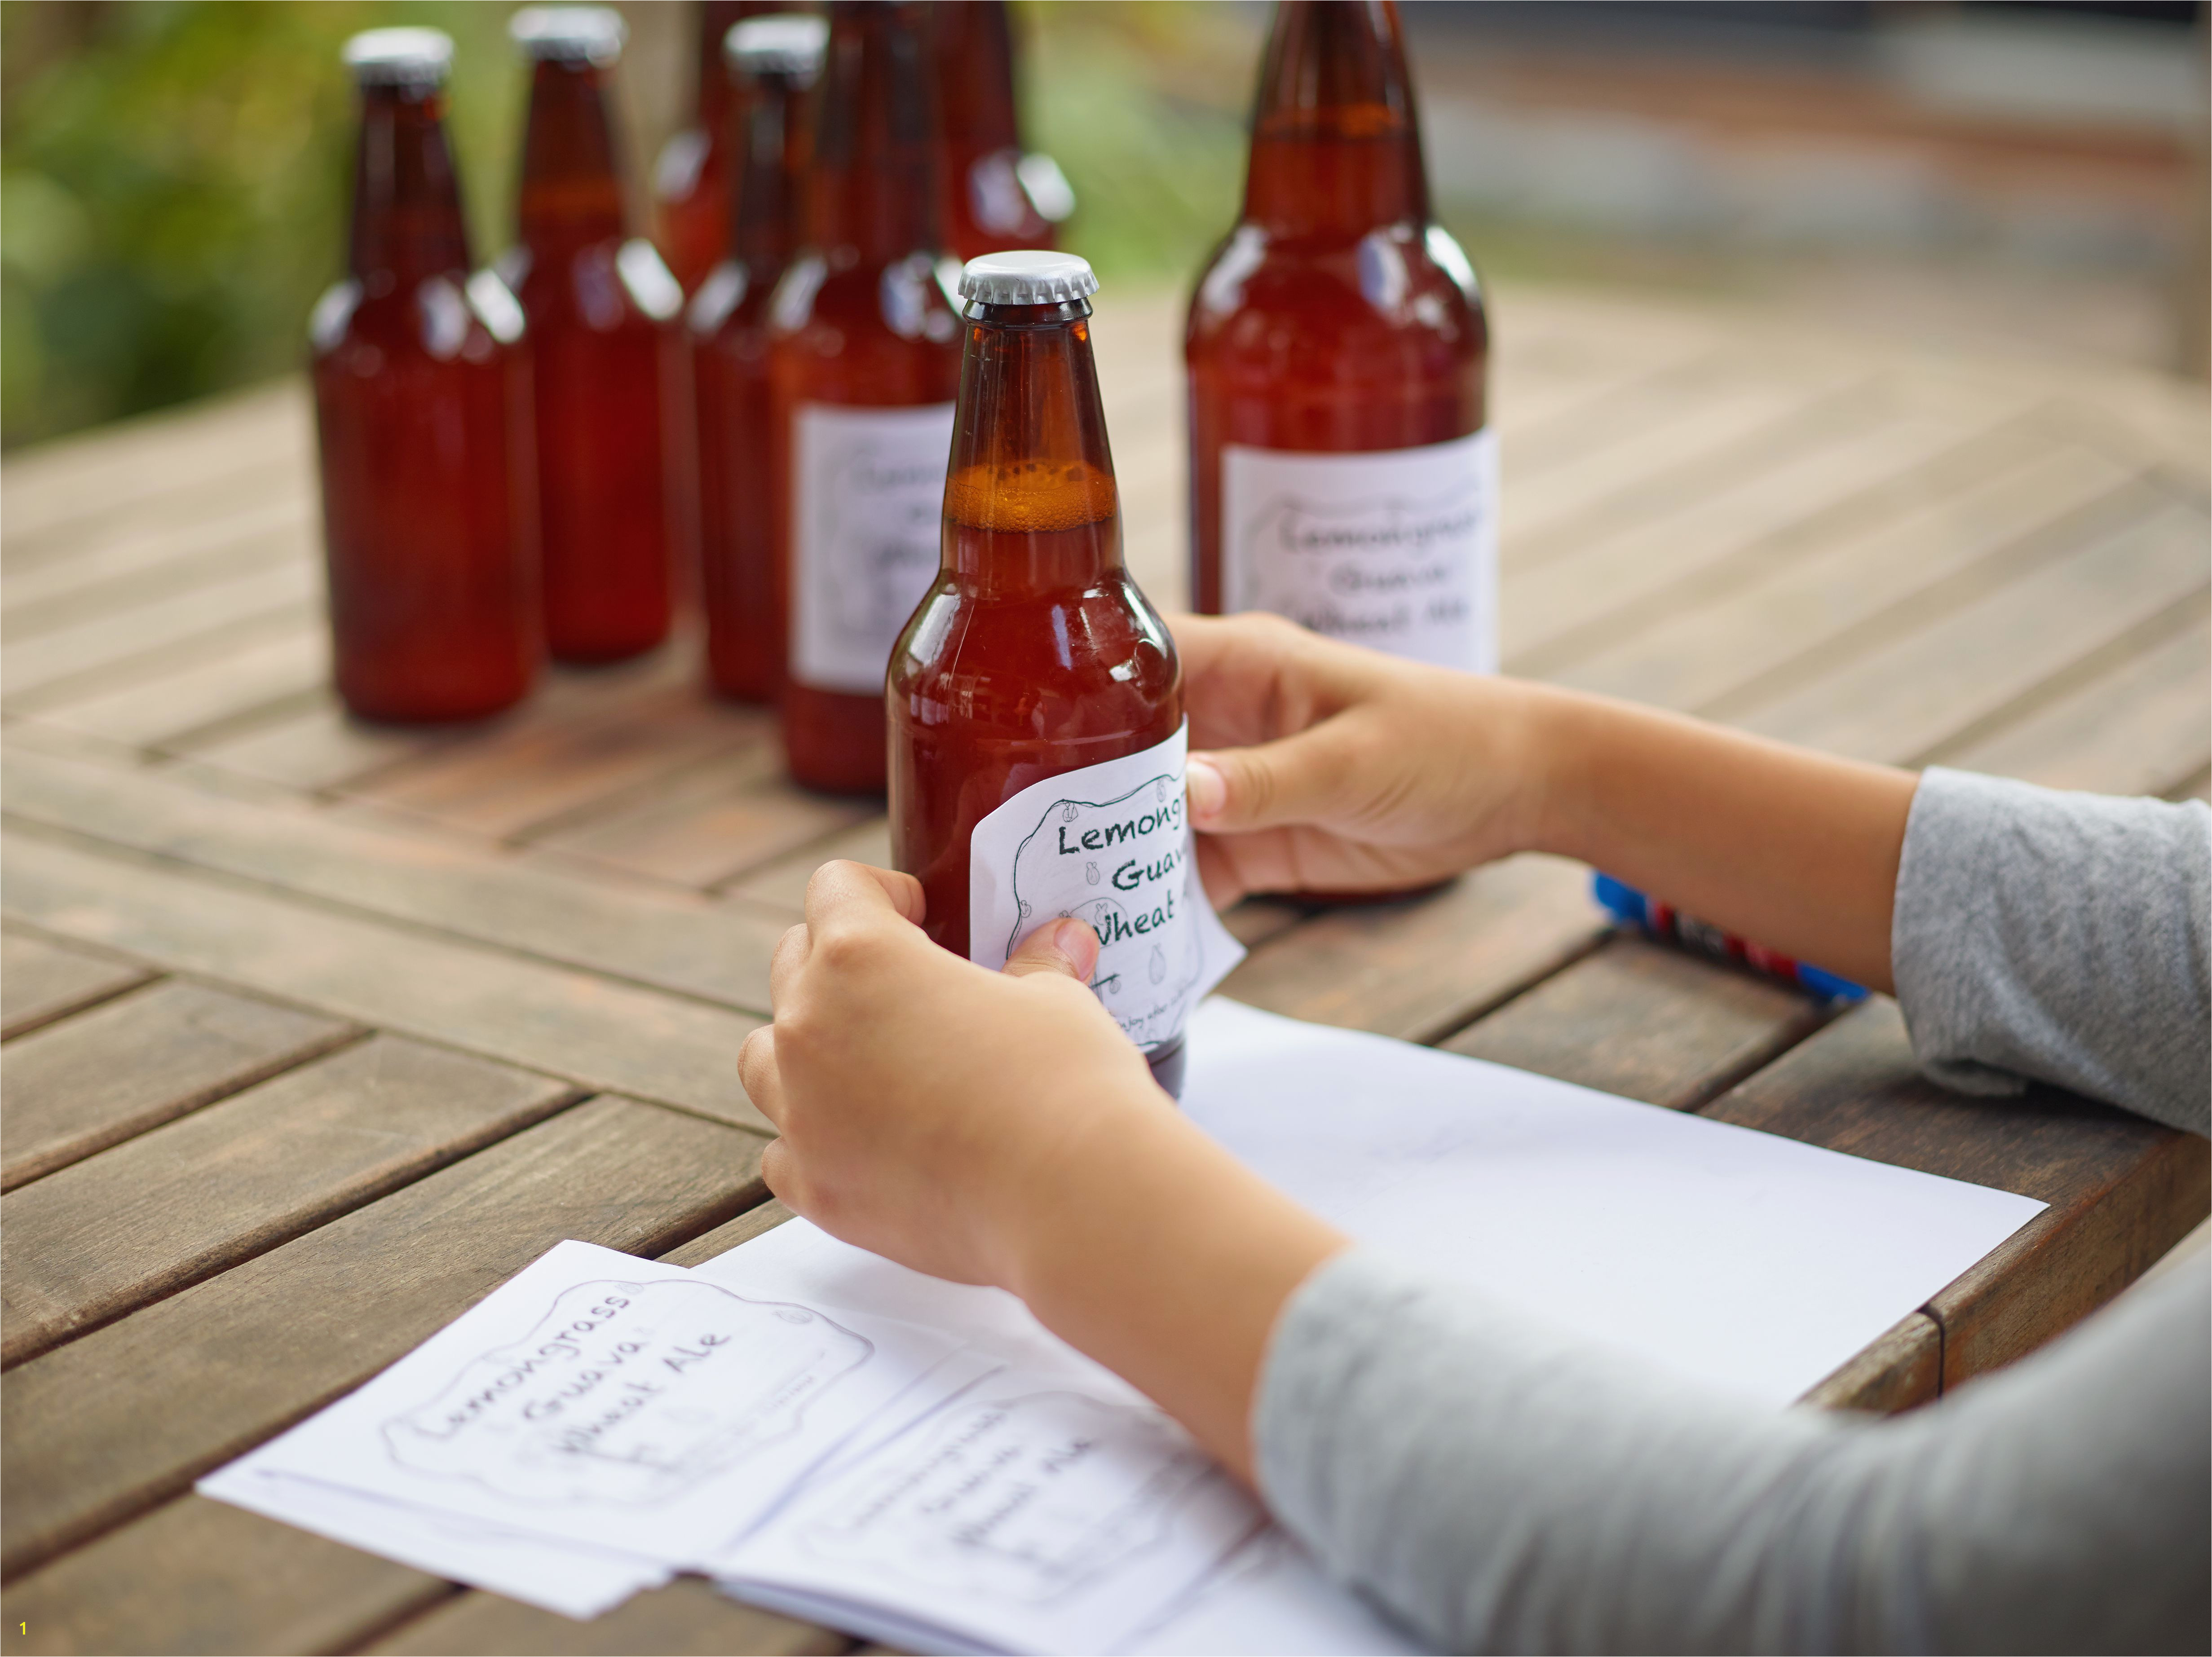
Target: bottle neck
{"x":571,"y":189}
{"x":873,"y":196}
{"x":407,"y":223}
{"x":716,"y":19}
{"x":768,"y":122}
{"x":1030,"y":504}
{"x":972,"y":59}
{"x":1336,"y":148}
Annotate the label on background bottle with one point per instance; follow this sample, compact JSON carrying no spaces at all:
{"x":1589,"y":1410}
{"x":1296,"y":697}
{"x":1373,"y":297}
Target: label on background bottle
{"x":867,"y":488}
{"x":1111,"y":845}
{"x":1397,"y":549}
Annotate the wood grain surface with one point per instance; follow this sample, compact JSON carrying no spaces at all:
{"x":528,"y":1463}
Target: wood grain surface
{"x":296,"y":1006}
{"x":109,"y":1424}
{"x":41,"y":981}
{"x":199,"y":1575}
{"x":1647,"y":1020}
{"x":141,"y":1059}
{"x":668,"y":940}
{"x":687,"y":1616}
{"x":591,"y":1029}
{"x":87,"y":1244}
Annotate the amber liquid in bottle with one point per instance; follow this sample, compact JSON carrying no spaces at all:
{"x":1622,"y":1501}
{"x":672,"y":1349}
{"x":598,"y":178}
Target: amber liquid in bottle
{"x":691,"y":177}
{"x":1034,"y":654}
{"x":422,"y":417}
{"x":606,"y":344}
{"x":729,"y":333}
{"x":986,"y":207}
{"x":1337,"y":319}
{"x":863,"y":369}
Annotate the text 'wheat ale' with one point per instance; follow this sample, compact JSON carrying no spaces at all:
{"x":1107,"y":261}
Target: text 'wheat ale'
{"x":605,"y":348}
{"x":422,"y":417}
{"x":775,"y":60}
{"x":863,"y":369}
{"x":1037,"y":732}
{"x":1342,"y":471}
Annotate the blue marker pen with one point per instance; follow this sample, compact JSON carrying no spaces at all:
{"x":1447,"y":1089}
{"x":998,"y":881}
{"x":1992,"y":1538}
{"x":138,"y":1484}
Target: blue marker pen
{"x":1662,"y":920}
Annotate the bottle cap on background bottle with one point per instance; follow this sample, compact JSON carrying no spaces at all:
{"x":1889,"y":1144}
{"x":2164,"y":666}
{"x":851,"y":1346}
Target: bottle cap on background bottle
{"x":408,"y":57}
{"x":786,"y":43}
{"x":570,"y":34}
{"x":1027,"y":277}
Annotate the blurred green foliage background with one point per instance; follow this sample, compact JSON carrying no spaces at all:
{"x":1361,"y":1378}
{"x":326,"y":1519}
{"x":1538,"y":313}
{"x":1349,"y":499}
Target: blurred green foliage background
{"x":173,"y":173}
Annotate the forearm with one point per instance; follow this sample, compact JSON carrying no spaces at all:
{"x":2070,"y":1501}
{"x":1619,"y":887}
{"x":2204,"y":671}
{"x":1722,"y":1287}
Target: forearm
{"x":1151,"y":1249}
{"x":1478,"y":1472}
{"x":1796,"y":850}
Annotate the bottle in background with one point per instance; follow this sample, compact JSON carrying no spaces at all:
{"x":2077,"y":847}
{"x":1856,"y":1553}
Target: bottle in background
{"x":605,"y":348}
{"x":691,"y":176}
{"x":993,"y":196}
{"x":1342,"y":471}
{"x":422,"y":415}
{"x":1035,"y":701}
{"x":775,"y":59}
{"x":864,"y":366}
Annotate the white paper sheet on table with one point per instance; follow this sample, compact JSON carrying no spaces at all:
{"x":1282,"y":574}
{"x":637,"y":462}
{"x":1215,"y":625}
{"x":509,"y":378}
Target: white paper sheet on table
{"x":594,"y":1425}
{"x":972,"y":1483}
{"x":1755,"y":1264}
{"x":574,"y":1581}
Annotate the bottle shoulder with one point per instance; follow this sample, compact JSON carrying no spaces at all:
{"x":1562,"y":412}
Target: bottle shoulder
{"x":731,"y":307}
{"x":612,"y":285}
{"x":365,"y":327}
{"x":1103,"y":641}
{"x":1405,"y":282}
{"x":895,"y":308}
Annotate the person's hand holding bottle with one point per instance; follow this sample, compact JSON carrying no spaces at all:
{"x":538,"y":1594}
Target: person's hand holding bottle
{"x":1317,"y":766}
{"x":1320,"y":767}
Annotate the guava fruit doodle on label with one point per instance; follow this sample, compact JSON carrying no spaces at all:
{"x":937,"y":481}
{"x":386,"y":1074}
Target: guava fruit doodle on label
{"x":1111,"y":845}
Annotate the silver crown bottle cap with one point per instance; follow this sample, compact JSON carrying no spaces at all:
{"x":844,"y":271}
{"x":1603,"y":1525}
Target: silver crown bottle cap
{"x":1028,"y":277}
{"x":570,"y":34}
{"x":783,"y":43}
{"x":396,"y":57}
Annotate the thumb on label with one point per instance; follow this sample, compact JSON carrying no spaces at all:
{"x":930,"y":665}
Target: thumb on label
{"x":1067,"y":947}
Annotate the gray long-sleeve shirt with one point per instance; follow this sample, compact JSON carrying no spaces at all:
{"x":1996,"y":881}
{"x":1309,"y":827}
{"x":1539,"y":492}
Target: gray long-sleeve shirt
{"x":1500,"y":1486}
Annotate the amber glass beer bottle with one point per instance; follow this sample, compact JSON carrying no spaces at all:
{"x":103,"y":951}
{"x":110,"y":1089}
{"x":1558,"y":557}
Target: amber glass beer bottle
{"x":863,"y":365}
{"x":1342,"y":472}
{"x":606,"y":345}
{"x":422,"y":417}
{"x":775,"y":59}
{"x":692,"y":176}
{"x":1035,"y":701}
{"x":984,"y":181}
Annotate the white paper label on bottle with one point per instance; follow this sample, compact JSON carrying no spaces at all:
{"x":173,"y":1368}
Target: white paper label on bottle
{"x":1397,"y":549}
{"x":867,"y":489}
{"x":1111,"y":845}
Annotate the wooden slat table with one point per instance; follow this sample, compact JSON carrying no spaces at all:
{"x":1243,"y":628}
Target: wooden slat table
{"x":316,"y":1032}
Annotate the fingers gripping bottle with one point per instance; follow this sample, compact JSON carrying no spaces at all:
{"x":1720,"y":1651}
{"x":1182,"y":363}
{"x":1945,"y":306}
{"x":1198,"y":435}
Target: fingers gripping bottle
{"x":1342,"y":473}
{"x":606,"y":349}
{"x":422,"y":420}
{"x":862,"y":371}
{"x":1037,"y":732}
{"x":776,"y":58}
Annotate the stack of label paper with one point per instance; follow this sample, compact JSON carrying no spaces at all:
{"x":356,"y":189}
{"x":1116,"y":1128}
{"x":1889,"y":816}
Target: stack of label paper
{"x":832,"y":1435}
